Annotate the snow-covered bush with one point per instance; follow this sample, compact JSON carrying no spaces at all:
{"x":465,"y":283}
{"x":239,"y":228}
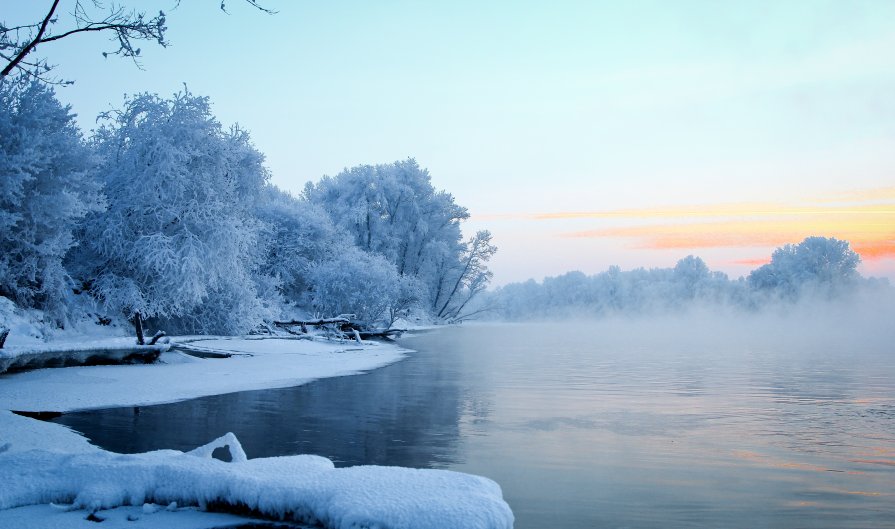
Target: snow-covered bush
{"x":359,"y":283}
{"x":178,"y":241}
{"x":46,"y":188}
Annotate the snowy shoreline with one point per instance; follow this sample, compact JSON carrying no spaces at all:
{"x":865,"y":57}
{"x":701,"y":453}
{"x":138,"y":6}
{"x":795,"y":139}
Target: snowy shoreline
{"x":43,"y":463}
{"x":255,"y":364}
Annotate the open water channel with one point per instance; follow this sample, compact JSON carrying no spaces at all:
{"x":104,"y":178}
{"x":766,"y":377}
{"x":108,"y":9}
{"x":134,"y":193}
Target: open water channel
{"x":589,"y":425}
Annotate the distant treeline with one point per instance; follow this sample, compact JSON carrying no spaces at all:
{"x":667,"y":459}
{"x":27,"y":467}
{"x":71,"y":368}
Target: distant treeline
{"x":818,"y":268}
{"x":166,"y":215}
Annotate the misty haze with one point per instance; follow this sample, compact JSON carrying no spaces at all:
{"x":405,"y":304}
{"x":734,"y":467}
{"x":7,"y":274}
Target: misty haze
{"x":447,"y":265}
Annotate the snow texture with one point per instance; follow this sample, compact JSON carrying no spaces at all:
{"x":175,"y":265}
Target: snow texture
{"x":257,"y":364}
{"x":52,"y":477}
{"x":52,"y":517}
{"x":303,"y":488}
{"x":19,"y":433}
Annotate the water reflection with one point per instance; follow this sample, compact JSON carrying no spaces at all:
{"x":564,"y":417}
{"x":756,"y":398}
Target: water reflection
{"x":405,"y":415}
{"x":596,"y":426}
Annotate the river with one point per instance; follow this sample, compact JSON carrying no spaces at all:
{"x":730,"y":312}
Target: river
{"x":589,"y":425}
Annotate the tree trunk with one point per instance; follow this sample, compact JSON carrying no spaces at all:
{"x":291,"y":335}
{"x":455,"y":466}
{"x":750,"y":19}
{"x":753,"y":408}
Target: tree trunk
{"x":138,"y":327}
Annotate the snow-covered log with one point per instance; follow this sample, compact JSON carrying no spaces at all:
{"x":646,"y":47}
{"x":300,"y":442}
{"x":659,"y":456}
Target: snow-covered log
{"x":340,"y":326}
{"x":304,"y":488}
{"x":14,"y":359}
{"x":383,"y":333}
{"x":313,"y":323}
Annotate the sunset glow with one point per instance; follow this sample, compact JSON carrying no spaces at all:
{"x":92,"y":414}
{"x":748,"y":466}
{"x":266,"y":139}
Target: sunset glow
{"x":855,"y":216}
{"x":735,"y":237}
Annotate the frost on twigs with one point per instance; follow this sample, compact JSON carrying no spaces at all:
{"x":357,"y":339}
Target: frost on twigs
{"x":229,"y":441}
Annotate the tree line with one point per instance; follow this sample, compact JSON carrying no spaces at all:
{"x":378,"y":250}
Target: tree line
{"x":164,"y":214}
{"x":818,"y":268}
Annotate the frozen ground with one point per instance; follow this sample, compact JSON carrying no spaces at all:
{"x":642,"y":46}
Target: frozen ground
{"x":43,"y":463}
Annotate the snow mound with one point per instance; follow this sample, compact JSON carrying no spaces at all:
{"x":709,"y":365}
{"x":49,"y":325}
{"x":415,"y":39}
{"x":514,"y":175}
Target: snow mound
{"x":303,"y":488}
{"x":52,"y":517}
{"x":25,"y":327}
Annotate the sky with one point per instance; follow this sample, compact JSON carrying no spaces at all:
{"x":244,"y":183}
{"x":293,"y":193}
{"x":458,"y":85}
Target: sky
{"x":581,"y":134}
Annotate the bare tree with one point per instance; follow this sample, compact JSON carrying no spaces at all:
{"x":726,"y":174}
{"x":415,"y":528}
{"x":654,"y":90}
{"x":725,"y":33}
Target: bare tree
{"x":470,"y":276}
{"x":128,"y":27}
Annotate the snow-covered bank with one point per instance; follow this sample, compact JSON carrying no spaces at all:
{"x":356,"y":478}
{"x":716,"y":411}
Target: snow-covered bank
{"x":303,"y":488}
{"x":119,"y":351}
{"x":257,"y":364}
{"x":43,"y":463}
{"x":151,"y":517}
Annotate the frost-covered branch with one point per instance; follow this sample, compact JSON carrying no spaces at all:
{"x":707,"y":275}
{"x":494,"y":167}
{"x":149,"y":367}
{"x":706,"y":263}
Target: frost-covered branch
{"x":28,"y":46}
{"x":127,"y":28}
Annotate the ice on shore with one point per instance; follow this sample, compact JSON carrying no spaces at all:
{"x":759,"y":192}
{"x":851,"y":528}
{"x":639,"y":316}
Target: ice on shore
{"x":303,"y":488}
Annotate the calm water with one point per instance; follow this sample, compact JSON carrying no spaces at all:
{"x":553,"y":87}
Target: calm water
{"x":590,"y":425}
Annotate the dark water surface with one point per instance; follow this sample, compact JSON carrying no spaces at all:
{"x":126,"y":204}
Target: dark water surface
{"x":589,"y":426}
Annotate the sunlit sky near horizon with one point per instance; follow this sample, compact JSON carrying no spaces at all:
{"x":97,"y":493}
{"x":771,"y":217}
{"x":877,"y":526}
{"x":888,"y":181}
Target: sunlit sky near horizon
{"x":582,"y":134}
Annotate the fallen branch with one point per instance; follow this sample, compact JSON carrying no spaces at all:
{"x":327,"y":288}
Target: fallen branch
{"x":156,"y":337}
{"x":91,"y":356}
{"x":313,"y":323}
{"x":387,"y":333}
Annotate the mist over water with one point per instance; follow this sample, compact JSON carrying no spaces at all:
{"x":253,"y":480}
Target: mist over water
{"x":699,"y":420}
{"x":783,"y":418}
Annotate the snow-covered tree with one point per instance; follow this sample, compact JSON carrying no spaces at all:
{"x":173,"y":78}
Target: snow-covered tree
{"x":817,"y":263}
{"x":296,"y":235}
{"x":816,"y":266}
{"x":178,"y":241}
{"x":360,"y":283}
{"x":394,"y":211}
{"x":46,"y":188}
{"x":460,"y":278}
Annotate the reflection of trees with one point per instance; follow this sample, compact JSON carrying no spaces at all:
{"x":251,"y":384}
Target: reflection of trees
{"x":406,"y":414}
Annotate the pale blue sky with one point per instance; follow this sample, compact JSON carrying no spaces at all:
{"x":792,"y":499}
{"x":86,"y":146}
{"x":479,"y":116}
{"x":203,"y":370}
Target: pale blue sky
{"x":521,"y":108}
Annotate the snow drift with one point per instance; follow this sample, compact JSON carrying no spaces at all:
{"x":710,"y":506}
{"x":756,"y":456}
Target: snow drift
{"x":303,"y":488}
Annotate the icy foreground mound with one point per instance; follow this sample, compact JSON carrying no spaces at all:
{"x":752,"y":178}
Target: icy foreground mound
{"x":304,"y":488}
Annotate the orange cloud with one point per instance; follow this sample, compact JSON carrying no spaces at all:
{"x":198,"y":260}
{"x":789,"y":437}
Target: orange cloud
{"x":871,"y":237}
{"x":875,"y":250}
{"x":865,"y":218}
